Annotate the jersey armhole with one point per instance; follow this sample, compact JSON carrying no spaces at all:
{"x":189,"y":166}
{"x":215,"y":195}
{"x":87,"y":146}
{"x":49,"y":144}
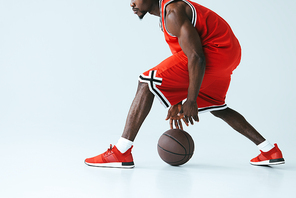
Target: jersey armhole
{"x":193,"y":21}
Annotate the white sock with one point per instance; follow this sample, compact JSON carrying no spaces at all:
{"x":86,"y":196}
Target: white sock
{"x":265,"y":146}
{"x":123,"y":144}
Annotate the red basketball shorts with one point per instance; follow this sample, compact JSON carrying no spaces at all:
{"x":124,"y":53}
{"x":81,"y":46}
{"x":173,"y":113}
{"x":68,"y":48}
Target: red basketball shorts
{"x":169,"y":82}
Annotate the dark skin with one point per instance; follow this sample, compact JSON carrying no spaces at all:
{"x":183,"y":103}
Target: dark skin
{"x":178,"y":23}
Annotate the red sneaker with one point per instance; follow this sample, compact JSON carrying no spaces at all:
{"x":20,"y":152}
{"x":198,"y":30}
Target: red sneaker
{"x":272,"y":157}
{"x":112,"y":158}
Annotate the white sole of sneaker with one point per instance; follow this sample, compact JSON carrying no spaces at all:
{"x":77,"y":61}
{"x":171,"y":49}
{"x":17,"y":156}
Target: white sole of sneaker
{"x":113,"y":165}
{"x":269,"y":162}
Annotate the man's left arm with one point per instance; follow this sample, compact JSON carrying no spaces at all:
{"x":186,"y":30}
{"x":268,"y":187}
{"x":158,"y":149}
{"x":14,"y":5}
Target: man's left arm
{"x":178,"y":23}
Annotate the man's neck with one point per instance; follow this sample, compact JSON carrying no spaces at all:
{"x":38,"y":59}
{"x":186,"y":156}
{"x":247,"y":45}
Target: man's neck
{"x":155,"y":8}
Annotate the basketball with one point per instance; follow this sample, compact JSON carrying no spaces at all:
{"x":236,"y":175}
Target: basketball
{"x":175,"y":147}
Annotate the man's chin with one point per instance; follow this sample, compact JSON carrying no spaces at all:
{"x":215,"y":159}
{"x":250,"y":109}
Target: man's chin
{"x":142,"y":15}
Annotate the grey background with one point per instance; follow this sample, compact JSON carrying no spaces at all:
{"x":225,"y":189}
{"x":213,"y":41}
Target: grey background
{"x":68,"y":74}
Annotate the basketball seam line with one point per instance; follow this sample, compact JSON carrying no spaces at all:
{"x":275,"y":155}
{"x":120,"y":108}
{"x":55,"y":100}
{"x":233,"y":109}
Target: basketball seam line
{"x":184,"y":156}
{"x":176,"y":141}
{"x":173,"y":152}
{"x":181,"y":160}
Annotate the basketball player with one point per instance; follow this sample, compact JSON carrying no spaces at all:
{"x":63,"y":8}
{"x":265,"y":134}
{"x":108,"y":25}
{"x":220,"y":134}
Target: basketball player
{"x":204,"y":54}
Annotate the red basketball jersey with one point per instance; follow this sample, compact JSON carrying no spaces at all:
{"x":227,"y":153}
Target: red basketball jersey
{"x":221,"y":47}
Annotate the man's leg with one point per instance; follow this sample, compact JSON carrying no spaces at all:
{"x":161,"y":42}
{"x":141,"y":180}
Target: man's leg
{"x":139,"y":110}
{"x":240,"y":124}
{"x":270,"y":155}
{"x":120,"y":155}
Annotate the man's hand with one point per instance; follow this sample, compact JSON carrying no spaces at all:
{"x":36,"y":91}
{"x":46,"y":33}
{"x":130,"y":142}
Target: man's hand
{"x":189,"y":111}
{"x":175,"y":116}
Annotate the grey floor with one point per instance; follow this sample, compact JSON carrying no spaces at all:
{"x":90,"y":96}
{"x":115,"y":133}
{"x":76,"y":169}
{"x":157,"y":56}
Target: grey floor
{"x":43,"y":161}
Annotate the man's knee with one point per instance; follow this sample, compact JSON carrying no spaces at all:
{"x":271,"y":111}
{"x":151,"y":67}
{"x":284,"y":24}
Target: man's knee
{"x":221,"y":113}
{"x":143,"y":88}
